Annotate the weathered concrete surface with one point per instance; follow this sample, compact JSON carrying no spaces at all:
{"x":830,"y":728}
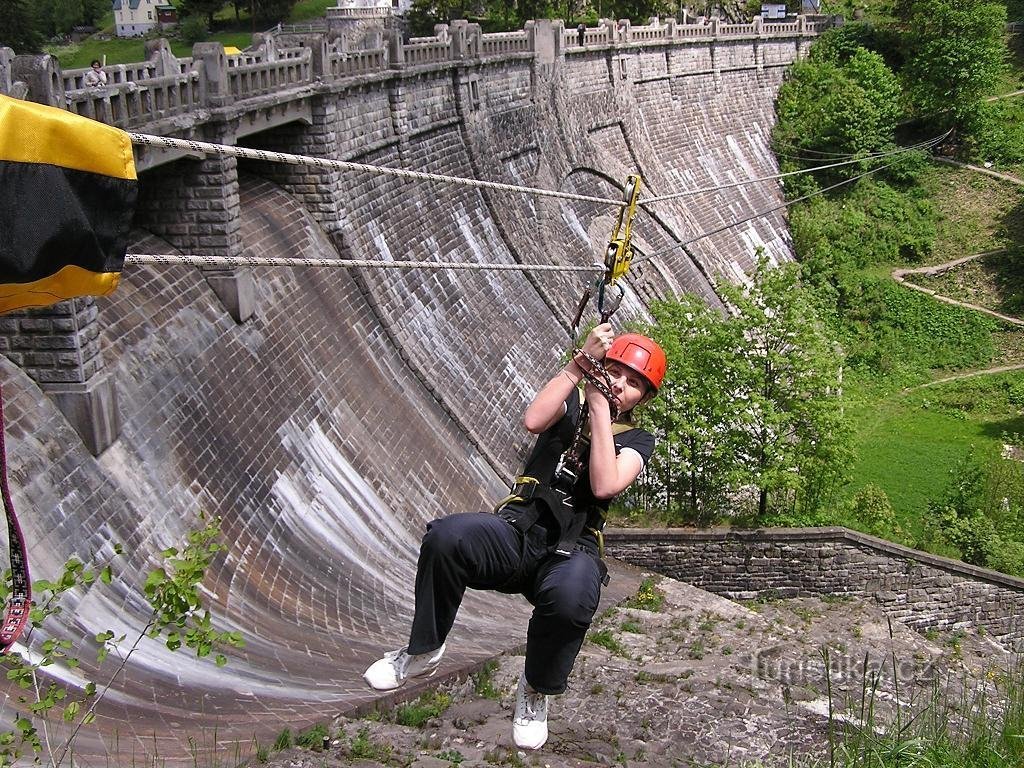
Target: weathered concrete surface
{"x":703,"y":681}
{"x":352,"y":407}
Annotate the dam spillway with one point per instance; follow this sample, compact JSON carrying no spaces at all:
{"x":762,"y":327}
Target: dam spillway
{"x":327,"y":415}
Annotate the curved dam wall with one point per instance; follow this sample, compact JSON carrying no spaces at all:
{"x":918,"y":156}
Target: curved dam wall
{"x":326,"y":415}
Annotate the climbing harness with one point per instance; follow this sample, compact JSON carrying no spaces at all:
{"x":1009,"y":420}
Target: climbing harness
{"x":558,"y":495}
{"x":617,"y":258}
{"x":20,"y":600}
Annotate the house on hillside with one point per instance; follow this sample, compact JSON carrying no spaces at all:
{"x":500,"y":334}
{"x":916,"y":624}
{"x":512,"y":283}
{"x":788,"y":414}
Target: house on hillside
{"x":136,"y":17}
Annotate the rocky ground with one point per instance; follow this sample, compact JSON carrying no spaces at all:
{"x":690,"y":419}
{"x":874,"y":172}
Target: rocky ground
{"x":698,"y":680}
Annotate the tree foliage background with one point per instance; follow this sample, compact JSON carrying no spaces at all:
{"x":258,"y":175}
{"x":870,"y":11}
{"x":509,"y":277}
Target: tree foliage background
{"x":750,"y":423}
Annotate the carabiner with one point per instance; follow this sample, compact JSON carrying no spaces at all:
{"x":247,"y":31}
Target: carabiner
{"x":608,"y":300}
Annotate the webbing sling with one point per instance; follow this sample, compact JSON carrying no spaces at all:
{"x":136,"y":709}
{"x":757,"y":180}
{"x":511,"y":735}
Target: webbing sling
{"x":571,"y":523}
{"x":20,"y":601}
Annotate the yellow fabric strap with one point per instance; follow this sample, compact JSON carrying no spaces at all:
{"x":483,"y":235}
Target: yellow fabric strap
{"x":618,"y":428}
{"x":600,"y":540}
{"x":34,"y":133}
{"x":66,"y":283}
{"x":512,"y":497}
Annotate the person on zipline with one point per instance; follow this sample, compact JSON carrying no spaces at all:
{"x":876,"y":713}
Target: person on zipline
{"x":545,"y":541}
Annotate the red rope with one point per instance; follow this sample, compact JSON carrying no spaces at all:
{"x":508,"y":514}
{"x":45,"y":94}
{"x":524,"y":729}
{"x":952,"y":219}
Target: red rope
{"x":20,"y":601}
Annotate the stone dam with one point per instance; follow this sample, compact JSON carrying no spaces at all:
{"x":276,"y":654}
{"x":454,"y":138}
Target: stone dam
{"x":325,"y":415}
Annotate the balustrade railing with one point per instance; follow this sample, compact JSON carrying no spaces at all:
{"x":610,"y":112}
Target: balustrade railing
{"x":291,"y":67}
{"x":349,"y":63}
{"x":134,"y":103}
{"x":429,"y":52}
{"x":504,"y":42}
{"x":166,"y":86}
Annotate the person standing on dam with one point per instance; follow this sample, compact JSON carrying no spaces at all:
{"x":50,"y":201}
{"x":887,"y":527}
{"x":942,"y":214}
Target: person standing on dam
{"x":545,"y":539}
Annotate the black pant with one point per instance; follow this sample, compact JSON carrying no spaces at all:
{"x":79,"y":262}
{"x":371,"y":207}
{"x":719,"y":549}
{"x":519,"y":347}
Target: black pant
{"x":483,"y":551}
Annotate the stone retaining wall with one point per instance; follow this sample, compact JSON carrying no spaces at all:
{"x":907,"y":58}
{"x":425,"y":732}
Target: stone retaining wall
{"x":917,"y":588}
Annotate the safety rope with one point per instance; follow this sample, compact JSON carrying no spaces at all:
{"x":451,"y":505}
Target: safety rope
{"x":757,"y":215}
{"x":717,"y":187}
{"x":570,"y":464}
{"x":206,"y":148}
{"x":19,"y":602}
{"x":193,"y":260}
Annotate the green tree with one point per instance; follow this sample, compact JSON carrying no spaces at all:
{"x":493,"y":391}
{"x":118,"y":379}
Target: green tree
{"x":67,"y":14}
{"x":843,"y":101}
{"x":956,"y":53}
{"x":93,"y":11}
{"x":693,"y":416}
{"x":205,"y":8}
{"x":272,"y":11}
{"x":50,"y":713}
{"x":21,"y":29}
{"x":788,"y":401}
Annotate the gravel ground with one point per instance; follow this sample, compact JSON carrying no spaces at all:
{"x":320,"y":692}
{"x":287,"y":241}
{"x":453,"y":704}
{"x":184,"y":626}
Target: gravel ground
{"x":699,"y":681}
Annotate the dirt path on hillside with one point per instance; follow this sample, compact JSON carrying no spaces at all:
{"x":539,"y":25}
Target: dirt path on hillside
{"x":981,"y":169}
{"x":899,"y":275}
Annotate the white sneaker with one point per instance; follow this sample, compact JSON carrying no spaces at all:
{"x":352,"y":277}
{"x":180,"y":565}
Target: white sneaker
{"x":530,"y":724}
{"x":398,"y":666}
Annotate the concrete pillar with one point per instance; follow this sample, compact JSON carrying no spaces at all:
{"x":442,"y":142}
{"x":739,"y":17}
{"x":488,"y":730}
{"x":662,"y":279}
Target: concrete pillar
{"x":43,"y":77}
{"x":399,"y":110}
{"x":6,"y":70}
{"x":59,"y":348}
{"x":213,"y":66}
{"x":714,"y":55}
{"x":396,"y":51}
{"x":159,"y":51}
{"x":193,"y":204}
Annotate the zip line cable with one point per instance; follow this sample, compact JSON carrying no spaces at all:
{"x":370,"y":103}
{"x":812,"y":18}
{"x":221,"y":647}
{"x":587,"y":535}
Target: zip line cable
{"x":214,"y":262}
{"x":877,"y":156}
{"x":759,"y":214}
{"x":206,"y":148}
{"x":274,"y":261}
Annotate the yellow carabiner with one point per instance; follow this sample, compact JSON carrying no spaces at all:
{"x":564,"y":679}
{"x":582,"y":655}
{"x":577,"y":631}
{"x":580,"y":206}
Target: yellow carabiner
{"x":620,"y":250}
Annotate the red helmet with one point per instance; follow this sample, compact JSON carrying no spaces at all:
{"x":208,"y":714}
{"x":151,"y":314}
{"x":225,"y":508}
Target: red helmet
{"x":641,"y":354}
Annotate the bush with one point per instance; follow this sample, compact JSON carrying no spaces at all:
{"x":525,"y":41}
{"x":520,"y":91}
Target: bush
{"x":193,"y":29}
{"x":873,"y":511}
{"x":995,"y":132}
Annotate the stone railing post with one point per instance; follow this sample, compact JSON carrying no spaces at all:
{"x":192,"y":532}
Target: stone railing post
{"x":546,"y":46}
{"x":461,"y":37}
{"x":213,"y":68}
{"x":59,"y":348}
{"x":801,"y":44}
{"x":558,"y":38}
{"x":610,"y":29}
{"x":474,"y":39}
{"x":624,"y":31}
{"x":159,"y":52}
{"x":759,"y":46}
{"x":42,"y":76}
{"x":396,"y":51}
{"x":6,"y":70}
{"x":321,"y":58}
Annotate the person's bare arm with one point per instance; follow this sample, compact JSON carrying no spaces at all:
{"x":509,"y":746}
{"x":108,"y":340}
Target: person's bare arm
{"x":546,"y":407}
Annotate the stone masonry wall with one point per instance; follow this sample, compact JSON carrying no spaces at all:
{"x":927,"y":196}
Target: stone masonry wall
{"x":327,"y":424}
{"x":918,"y":589}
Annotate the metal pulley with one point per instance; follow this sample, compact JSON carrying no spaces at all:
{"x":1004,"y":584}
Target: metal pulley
{"x":617,"y":257}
